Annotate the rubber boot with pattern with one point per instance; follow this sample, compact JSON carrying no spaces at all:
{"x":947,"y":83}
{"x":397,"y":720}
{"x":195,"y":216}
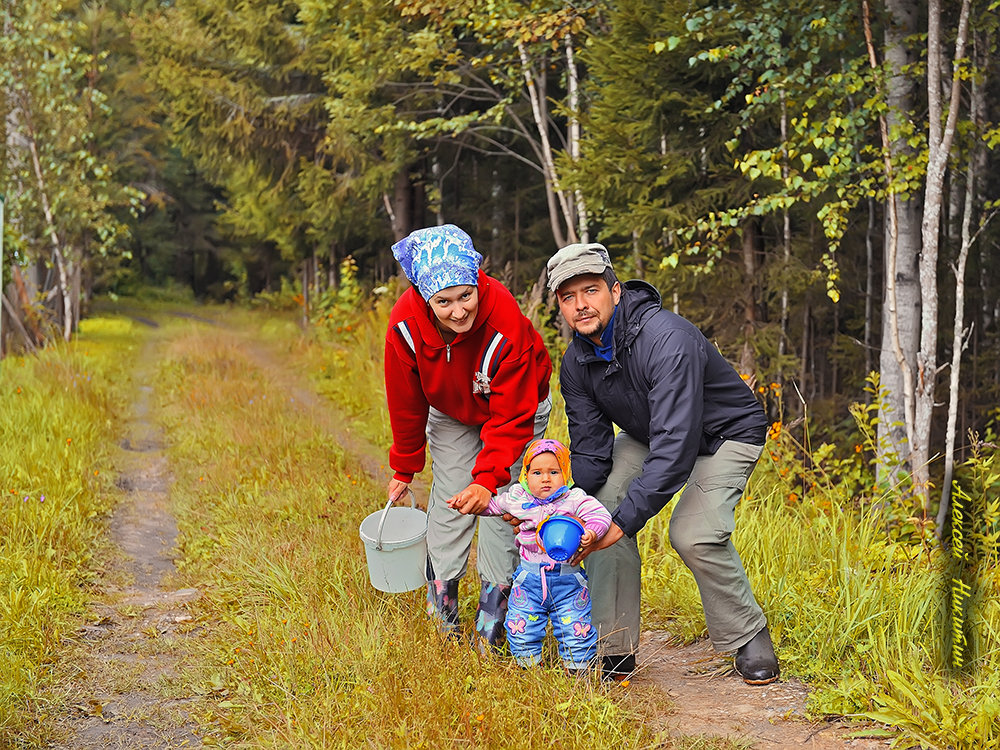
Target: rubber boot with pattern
{"x":442,"y":605}
{"x":492,"y":613}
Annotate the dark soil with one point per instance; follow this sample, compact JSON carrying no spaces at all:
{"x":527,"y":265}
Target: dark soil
{"x":711,"y":700}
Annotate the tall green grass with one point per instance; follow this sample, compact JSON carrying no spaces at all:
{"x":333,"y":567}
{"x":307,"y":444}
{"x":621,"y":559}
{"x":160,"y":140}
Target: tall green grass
{"x":61,"y":410}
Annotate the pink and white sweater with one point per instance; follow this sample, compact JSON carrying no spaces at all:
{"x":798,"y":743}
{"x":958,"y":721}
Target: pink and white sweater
{"x":532,"y":511}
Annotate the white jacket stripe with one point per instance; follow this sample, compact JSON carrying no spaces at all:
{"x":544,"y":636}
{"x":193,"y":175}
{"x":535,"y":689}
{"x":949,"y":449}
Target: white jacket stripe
{"x":484,"y":366}
{"x":404,"y":331}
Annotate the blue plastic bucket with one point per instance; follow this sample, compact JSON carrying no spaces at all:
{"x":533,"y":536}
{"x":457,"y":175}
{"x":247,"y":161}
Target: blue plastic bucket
{"x":396,"y":547}
{"x":559,"y":536}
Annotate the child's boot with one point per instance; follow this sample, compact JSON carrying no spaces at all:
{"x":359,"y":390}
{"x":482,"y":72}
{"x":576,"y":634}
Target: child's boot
{"x":442,"y":605}
{"x":492,"y":613}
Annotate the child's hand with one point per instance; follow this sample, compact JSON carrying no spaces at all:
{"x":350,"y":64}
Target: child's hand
{"x":614,"y":534}
{"x":588,"y":538}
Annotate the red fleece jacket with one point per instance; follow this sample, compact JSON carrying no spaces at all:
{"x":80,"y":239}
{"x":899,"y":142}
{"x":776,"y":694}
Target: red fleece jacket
{"x":494,"y":375}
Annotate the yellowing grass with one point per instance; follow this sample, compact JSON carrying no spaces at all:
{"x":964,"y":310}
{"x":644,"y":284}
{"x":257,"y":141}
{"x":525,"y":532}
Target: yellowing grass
{"x":60,"y":413}
{"x":303,"y":652}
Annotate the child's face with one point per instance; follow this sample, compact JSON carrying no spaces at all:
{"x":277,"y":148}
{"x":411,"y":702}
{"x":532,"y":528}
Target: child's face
{"x":544,"y":475}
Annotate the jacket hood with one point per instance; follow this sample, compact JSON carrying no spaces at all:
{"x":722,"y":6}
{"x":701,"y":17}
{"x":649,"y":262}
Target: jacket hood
{"x":638,"y":303}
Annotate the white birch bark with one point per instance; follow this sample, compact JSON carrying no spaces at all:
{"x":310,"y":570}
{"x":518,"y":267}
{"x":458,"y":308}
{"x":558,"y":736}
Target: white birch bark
{"x":553,"y":193}
{"x":573,"y":97}
{"x":959,"y":334}
{"x":62,"y":263}
{"x":902,"y":247}
{"x":939,"y":142}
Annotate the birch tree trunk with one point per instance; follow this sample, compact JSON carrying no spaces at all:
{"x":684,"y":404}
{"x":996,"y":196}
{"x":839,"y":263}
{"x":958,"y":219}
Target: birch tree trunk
{"x":63,"y":269}
{"x":959,"y":336}
{"x":786,"y":247}
{"x":573,"y":96}
{"x":901,"y":303}
{"x":939,"y":142}
{"x":751,"y":234}
{"x":555,"y":197}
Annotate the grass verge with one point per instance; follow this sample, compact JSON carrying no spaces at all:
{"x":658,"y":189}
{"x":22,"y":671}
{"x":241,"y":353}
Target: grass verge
{"x":61,"y":412}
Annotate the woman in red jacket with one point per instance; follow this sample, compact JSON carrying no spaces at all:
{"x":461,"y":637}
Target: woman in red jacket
{"x":466,"y":376}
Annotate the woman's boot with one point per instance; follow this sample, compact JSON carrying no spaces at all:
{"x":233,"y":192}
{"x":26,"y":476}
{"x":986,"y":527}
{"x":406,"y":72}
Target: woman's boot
{"x":442,"y":605}
{"x":492,"y":613}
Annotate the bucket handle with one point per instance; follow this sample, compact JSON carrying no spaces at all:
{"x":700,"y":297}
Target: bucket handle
{"x":385,"y":513}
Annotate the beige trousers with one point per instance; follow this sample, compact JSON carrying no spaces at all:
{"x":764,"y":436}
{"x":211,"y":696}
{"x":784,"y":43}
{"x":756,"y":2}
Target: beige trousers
{"x":700,"y":527}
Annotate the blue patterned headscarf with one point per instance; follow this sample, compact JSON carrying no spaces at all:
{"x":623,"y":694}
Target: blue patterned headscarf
{"x":436,"y":258}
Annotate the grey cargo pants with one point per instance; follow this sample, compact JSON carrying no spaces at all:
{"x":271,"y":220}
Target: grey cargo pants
{"x":700,"y":528}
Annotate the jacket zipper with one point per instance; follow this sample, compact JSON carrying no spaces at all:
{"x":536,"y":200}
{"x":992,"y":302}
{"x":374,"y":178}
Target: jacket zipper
{"x":447,"y":353}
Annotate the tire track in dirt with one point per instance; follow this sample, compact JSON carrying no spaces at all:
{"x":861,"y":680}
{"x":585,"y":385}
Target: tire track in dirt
{"x":125,"y":690}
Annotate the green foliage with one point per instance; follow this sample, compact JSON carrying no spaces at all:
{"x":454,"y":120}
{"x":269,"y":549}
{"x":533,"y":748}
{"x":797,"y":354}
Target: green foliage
{"x":654,"y":159}
{"x":288,"y":297}
{"x":936,"y":712}
{"x":344,"y":303}
{"x":243,"y":88}
{"x":978,"y":489}
{"x":63,"y":189}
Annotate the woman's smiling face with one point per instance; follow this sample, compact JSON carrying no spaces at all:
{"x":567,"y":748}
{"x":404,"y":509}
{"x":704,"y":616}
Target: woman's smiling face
{"x":455,"y":308}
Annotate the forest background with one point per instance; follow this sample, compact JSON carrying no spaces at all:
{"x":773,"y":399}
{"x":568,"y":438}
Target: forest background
{"x":813,"y":184}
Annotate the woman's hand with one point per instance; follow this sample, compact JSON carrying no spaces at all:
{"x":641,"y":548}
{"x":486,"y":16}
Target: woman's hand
{"x":397,"y":489}
{"x":614,"y":534}
{"x":473,"y":500}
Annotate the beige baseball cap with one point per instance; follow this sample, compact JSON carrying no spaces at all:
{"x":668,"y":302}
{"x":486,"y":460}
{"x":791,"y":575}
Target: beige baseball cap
{"x":576,"y":260}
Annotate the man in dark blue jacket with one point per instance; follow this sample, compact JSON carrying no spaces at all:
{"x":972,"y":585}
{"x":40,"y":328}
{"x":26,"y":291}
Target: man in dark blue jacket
{"x":687,"y":420}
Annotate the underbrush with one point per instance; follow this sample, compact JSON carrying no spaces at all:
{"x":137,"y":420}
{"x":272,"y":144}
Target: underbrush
{"x":853,"y":579}
{"x":61,"y":410}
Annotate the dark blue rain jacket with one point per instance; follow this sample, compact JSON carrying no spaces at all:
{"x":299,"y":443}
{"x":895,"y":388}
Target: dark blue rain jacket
{"x":667,"y":386}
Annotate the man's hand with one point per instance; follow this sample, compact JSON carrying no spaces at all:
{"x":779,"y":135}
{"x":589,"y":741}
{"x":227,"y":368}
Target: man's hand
{"x":397,"y":490}
{"x":614,"y":534}
{"x":514,"y":521}
{"x":473,"y":500}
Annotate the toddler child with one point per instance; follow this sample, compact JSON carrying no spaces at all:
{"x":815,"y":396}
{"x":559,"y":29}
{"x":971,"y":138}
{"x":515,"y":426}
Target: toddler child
{"x":543,"y":587}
